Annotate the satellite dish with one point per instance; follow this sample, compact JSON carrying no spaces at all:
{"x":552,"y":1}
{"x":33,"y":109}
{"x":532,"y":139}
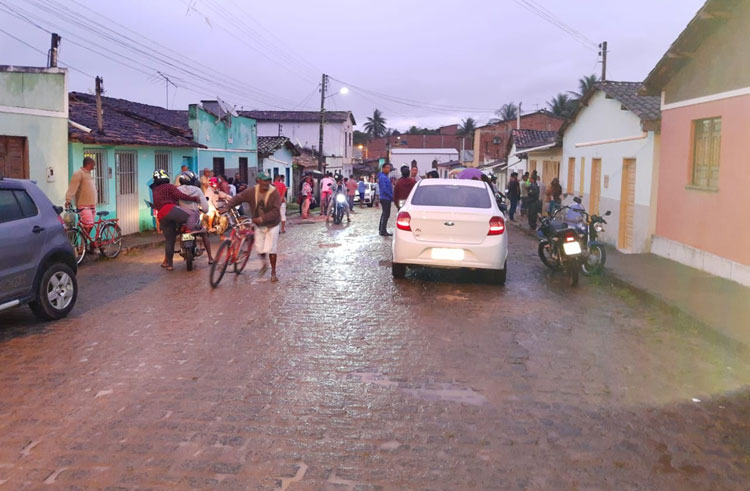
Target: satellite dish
{"x":225,"y":108}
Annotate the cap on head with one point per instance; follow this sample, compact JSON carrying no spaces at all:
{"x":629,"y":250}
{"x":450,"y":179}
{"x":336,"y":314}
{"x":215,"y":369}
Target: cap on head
{"x":262,"y":176}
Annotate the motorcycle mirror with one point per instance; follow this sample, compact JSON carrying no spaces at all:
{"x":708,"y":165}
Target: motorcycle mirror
{"x":578,"y":200}
{"x":608,"y":213}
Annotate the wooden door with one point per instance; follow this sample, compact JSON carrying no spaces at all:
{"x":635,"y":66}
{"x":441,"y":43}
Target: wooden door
{"x":126,"y":171}
{"x":550,"y":170}
{"x":571,"y":175}
{"x":243,"y":169}
{"x":532,"y":166}
{"x":583,"y":176}
{"x":627,"y":204}
{"x":218,"y":166}
{"x":14,"y":160}
{"x":596,"y":186}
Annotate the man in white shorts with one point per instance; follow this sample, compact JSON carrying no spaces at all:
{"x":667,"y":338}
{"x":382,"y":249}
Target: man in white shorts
{"x":265,"y":208}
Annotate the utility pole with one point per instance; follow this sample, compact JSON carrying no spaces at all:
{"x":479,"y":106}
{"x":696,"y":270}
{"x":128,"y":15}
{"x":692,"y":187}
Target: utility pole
{"x":603,"y":54}
{"x":323,"y":86}
{"x":99,"y":116}
{"x":52,"y":56}
{"x":518,"y":117}
{"x":167,"y":83}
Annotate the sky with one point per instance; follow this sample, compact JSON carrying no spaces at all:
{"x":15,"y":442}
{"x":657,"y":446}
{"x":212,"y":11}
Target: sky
{"x":421,"y":62}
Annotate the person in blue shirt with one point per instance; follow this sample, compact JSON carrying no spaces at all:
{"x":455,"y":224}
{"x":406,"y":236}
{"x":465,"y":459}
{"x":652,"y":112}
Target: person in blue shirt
{"x":386,"y":197}
{"x":361,"y":190}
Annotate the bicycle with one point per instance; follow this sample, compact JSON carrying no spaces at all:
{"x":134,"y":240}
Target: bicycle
{"x":235,"y":250}
{"x":107,"y":236}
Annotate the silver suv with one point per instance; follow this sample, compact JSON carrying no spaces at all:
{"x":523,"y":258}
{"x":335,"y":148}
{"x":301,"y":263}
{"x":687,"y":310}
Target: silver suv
{"x":37,"y":265}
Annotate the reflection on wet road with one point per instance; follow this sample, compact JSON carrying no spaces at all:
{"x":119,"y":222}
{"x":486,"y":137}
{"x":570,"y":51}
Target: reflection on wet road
{"x":338,"y":377}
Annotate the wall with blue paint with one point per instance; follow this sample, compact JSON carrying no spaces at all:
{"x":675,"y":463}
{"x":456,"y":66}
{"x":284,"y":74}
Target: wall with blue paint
{"x":230,"y":141}
{"x":280,"y":163}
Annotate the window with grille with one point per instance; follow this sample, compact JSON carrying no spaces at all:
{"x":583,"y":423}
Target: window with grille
{"x":706,"y":145}
{"x":100,"y":174}
{"x":163,"y":161}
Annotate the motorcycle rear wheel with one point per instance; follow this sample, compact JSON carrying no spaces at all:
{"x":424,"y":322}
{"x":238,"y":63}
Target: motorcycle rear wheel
{"x":548,"y":255}
{"x":189,"y":257}
{"x":573,"y":271}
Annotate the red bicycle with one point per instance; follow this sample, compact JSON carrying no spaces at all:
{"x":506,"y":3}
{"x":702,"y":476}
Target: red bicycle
{"x":235,"y":250}
{"x":107,"y":235}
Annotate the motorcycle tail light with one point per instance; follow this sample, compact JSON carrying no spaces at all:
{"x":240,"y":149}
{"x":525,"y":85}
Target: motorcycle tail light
{"x":497,"y":226}
{"x":570,"y":237}
{"x":403,"y":221}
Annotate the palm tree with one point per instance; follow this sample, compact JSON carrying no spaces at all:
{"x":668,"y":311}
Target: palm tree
{"x":375,"y":125}
{"x":507,"y":112}
{"x":563,"y":105}
{"x":584,"y":85}
{"x":467,"y":127}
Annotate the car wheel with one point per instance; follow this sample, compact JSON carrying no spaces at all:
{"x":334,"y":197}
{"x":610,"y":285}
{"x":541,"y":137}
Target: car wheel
{"x":498,"y":276}
{"x":398,"y":270}
{"x":56,"y":293}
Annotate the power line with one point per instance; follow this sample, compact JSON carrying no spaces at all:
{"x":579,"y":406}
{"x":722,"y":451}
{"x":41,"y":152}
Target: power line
{"x":548,"y":16}
{"x":43,"y":52}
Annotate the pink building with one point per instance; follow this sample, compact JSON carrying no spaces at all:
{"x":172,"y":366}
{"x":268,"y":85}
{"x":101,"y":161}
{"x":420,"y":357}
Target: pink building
{"x":704,"y":170}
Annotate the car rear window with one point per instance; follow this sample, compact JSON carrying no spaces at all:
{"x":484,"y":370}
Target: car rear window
{"x":452,"y":195}
{"x":15,"y":205}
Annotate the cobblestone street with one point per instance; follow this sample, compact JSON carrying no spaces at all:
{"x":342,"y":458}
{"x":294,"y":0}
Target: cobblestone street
{"x":338,"y":377}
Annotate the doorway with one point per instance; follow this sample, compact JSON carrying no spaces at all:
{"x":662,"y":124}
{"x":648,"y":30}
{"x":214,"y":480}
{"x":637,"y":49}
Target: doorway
{"x":243,"y":170}
{"x":550,"y":170}
{"x":127,"y":191}
{"x":627,"y":204}
{"x":218,"y":166}
{"x":596,"y":186}
{"x":14,"y":157}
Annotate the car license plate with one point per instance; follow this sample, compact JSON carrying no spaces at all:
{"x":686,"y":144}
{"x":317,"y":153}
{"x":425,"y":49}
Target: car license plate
{"x":572,"y":248}
{"x":448,"y":254}
{"x":188,"y":237}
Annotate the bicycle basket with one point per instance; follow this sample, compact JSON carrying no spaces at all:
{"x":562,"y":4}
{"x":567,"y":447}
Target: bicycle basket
{"x":68,"y":218}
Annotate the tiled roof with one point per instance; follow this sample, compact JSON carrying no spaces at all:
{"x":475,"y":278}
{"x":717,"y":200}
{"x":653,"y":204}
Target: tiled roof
{"x":267,"y":145}
{"x":533,"y":138}
{"x":122,"y":127}
{"x":299,"y":116}
{"x":646,"y":107}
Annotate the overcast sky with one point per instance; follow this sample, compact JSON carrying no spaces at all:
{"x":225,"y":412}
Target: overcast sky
{"x":467,"y":58}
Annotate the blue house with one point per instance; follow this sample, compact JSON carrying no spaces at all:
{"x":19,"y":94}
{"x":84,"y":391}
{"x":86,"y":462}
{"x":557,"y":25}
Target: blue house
{"x":276,"y":154}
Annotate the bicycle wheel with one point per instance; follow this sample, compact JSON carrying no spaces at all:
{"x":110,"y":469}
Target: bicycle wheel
{"x":221,"y":261}
{"x":243,"y":253}
{"x":110,"y":240}
{"x":77,"y":240}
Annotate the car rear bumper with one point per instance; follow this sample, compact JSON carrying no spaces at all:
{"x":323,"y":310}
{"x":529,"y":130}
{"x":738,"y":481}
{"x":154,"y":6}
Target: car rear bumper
{"x":490,"y":254}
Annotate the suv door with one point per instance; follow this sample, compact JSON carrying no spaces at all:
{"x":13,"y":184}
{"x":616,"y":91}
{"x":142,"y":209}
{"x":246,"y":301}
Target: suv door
{"x":22,"y":238}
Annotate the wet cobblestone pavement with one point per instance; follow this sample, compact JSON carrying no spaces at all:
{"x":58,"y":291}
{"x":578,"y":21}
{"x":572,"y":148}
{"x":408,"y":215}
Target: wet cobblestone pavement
{"x":339,"y":378}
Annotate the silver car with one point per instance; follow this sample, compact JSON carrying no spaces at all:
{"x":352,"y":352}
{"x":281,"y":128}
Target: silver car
{"x":37,"y":265}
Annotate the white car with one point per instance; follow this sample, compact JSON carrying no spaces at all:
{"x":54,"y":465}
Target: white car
{"x":451,"y":223}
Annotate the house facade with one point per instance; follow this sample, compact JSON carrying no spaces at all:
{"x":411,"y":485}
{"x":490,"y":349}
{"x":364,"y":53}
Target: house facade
{"x":610,"y":157}
{"x":303,"y":129}
{"x":34,"y":127}
{"x":534,"y":150}
{"x":127,"y":151}
{"x":443,"y":137}
{"x":426,"y":159}
{"x":704,"y":84}
{"x":276,"y":154}
{"x":492,"y":142}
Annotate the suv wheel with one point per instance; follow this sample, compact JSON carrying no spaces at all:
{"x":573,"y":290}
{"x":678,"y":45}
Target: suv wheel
{"x":56,"y":294}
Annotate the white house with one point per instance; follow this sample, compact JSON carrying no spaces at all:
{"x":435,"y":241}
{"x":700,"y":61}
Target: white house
{"x":303,"y":129}
{"x":535,"y":150}
{"x":426,"y":159}
{"x":611,"y":159}
{"x":275,"y":157}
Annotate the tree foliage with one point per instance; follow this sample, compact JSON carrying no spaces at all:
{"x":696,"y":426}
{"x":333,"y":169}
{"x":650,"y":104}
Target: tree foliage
{"x":507,"y":112}
{"x":562,"y":105}
{"x":375,"y":125}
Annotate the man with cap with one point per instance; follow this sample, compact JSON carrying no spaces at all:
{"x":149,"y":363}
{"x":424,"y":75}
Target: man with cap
{"x":264,"y":201}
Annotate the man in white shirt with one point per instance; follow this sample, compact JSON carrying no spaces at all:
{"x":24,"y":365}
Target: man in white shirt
{"x":326,"y":192}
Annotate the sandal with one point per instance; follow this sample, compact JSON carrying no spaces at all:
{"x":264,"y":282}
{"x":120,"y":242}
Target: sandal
{"x":169,"y":268}
{"x":274,"y":279}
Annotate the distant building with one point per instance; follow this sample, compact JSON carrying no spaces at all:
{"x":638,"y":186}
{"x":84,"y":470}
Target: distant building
{"x":445,"y":137}
{"x":534,"y":150}
{"x":426,"y":159}
{"x":704,"y":83}
{"x":276,"y":156}
{"x":34,"y":127}
{"x":303,"y":129}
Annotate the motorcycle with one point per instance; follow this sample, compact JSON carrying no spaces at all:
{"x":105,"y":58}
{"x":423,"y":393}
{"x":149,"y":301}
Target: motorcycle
{"x":339,"y":206}
{"x":559,"y":247}
{"x":190,"y":246}
{"x":594,"y":253}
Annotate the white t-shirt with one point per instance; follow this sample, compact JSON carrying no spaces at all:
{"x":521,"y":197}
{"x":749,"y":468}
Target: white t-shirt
{"x":327,"y":184}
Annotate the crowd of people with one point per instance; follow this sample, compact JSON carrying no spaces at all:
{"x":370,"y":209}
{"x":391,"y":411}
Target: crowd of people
{"x":533,"y":196}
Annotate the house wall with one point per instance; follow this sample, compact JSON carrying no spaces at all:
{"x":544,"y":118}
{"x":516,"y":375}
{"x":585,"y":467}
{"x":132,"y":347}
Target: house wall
{"x":485,"y":148}
{"x":145,"y":157}
{"x":34,"y":105}
{"x":281,"y":163}
{"x":603,"y":119}
{"x":240,"y":139}
{"x":378,"y":147}
{"x":424,"y":160}
{"x":337,"y":137}
{"x":715,"y":66}
{"x":701,"y":228}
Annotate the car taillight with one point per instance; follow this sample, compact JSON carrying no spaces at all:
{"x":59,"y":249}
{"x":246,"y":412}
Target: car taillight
{"x":403,"y":221}
{"x":497,"y":226}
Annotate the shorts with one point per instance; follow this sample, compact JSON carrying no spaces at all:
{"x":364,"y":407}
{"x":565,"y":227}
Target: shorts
{"x":88,"y":215}
{"x":283,"y":211}
{"x":267,"y":239}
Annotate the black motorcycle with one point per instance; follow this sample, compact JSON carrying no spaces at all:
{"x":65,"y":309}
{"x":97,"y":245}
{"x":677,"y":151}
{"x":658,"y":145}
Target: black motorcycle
{"x":594,"y":253}
{"x":340,"y":203}
{"x":560,"y":247}
{"x":190,"y":246}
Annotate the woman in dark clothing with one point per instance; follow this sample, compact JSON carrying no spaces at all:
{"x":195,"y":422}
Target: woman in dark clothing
{"x":403,"y":186}
{"x":169,"y":213}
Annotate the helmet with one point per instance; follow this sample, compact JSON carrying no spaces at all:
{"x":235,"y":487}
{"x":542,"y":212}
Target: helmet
{"x":213,"y":182}
{"x":160,"y":174}
{"x":188,"y":177}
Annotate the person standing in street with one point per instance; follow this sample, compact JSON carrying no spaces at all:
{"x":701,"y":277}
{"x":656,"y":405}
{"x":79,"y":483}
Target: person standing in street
{"x":386,"y":198}
{"x":265,"y":208}
{"x":351,"y":191}
{"x":533,"y":205}
{"x":326,"y":192}
{"x":306,"y":196}
{"x":361,"y":188}
{"x":514,"y":194}
{"x":403,"y":186}
{"x":524,"y":184}
{"x":415,"y":172}
{"x":82,"y":189}
{"x":278,"y":183}
{"x":183,"y":171}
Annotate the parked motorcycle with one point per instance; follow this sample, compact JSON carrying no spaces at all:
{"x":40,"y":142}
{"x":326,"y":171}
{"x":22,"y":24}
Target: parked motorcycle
{"x":190,"y":246}
{"x":594,"y":253}
{"x":560,"y":247}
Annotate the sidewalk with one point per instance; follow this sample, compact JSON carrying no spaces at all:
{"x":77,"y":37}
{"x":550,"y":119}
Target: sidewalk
{"x":141,"y":240}
{"x":720,"y":304}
